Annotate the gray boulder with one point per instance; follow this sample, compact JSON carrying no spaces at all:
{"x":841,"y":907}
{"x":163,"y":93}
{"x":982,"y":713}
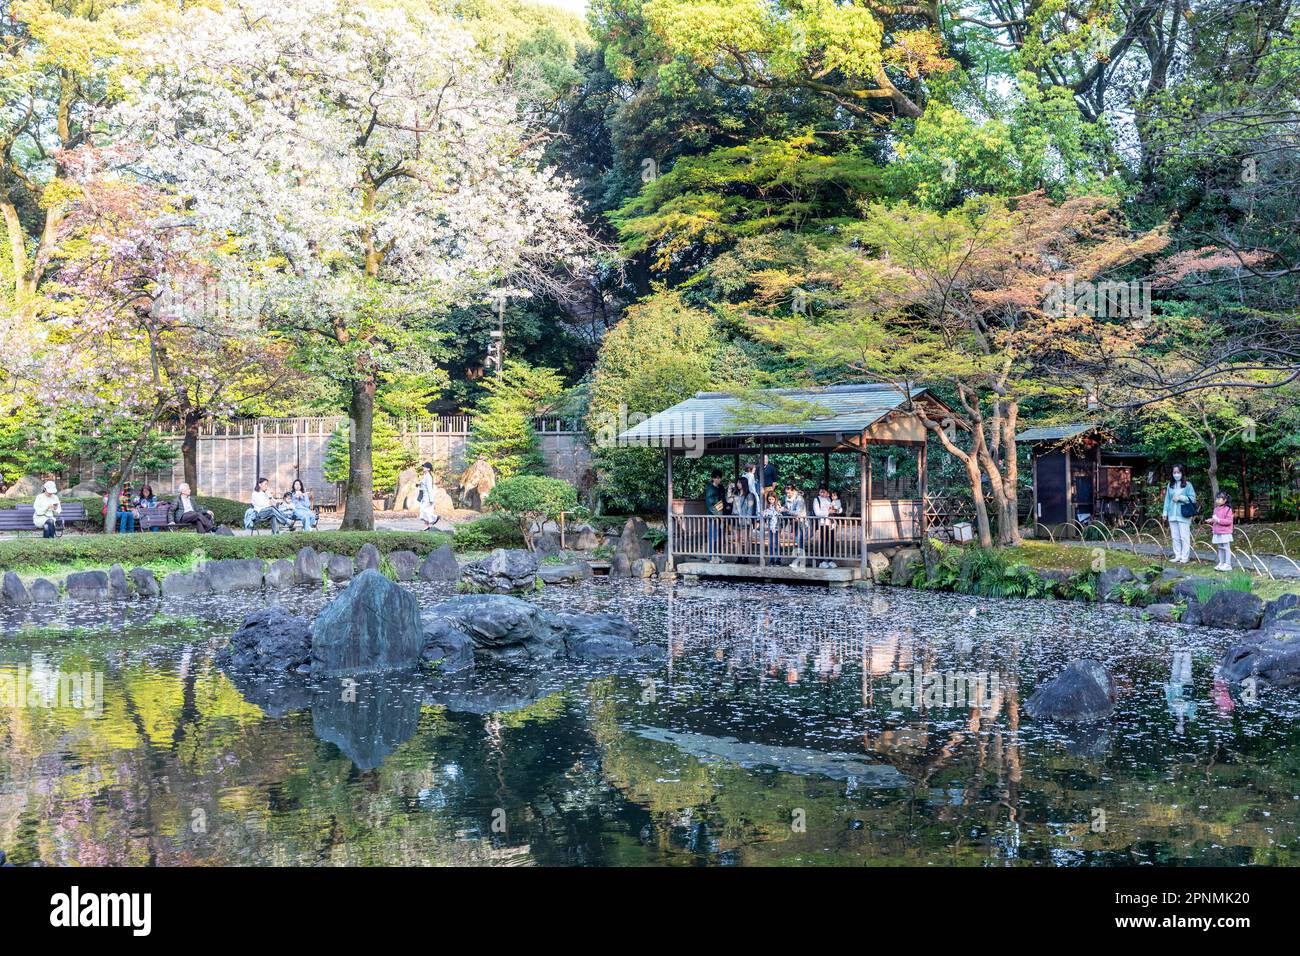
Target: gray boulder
{"x":597,"y":636}
{"x":1082,"y":693}
{"x":1162,"y":612}
{"x":87,"y":586}
{"x":374,"y":625}
{"x":235,"y":574}
{"x":583,"y":537}
{"x":1279,"y":607}
{"x":446,"y":643}
{"x":902,"y":565}
{"x":269,"y":643}
{"x":178,"y":585}
{"x":44,"y":592}
{"x":643,"y":568}
{"x":564,"y":573}
{"x":1276,"y":662}
{"x":498,"y":626}
{"x":632,"y":541}
{"x":1239,"y":610}
{"x":405,"y":564}
{"x":502,"y":572}
{"x":118,"y":588}
{"x":1110,"y":579}
{"x":620,"y":566}
{"x":279,"y":575}
{"x":339,"y":568}
{"x":145,"y":583}
{"x":13,"y":591}
{"x":547,"y":544}
{"x":307,"y":567}
{"x":368,"y":558}
{"x":440,"y":565}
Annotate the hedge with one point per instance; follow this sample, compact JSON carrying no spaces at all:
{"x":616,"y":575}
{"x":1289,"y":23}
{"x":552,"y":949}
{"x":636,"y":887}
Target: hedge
{"x":226,"y":510}
{"x":134,"y":549}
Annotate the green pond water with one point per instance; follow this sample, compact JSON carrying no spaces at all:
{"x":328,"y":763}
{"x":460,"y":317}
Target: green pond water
{"x":767,"y":725}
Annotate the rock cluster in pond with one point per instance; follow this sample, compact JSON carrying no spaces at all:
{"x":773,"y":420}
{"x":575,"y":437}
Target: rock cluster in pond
{"x":375,"y":625}
{"x":504,"y":571}
{"x":1082,"y":693}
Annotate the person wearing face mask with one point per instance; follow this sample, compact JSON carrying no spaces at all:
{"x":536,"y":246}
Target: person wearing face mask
{"x":1179,"y":509}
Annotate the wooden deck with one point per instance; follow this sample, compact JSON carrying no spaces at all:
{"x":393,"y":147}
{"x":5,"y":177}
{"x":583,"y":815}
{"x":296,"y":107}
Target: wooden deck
{"x":831,"y":577}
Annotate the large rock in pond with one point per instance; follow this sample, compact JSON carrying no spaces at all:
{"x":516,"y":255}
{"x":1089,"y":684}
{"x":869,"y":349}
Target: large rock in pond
{"x":1265,"y":657}
{"x":13,"y":591}
{"x":145,"y":583}
{"x":502,"y":572}
{"x":578,"y":570}
{"x":497,"y":625}
{"x":502,"y":628}
{"x":583,"y":537}
{"x":307,"y":568}
{"x":235,"y":574}
{"x":1082,"y":693}
{"x":1279,"y":607}
{"x":374,"y":625}
{"x":1239,"y":610}
{"x":902,"y":565}
{"x":597,"y":636}
{"x":87,"y":586}
{"x":440,"y":565}
{"x":269,"y":643}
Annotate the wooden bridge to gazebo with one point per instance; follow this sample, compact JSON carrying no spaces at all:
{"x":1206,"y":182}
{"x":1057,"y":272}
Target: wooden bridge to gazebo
{"x":835,"y":420}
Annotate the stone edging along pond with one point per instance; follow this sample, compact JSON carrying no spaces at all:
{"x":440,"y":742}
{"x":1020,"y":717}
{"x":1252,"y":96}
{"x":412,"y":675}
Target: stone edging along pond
{"x":308,"y":568}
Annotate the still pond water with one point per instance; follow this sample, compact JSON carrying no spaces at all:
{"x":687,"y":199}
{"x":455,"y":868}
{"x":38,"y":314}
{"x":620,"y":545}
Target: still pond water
{"x":768,"y":725}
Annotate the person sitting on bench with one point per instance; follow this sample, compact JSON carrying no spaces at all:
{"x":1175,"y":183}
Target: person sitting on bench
{"x":45,"y":509}
{"x":261,"y":508}
{"x":185,"y":511}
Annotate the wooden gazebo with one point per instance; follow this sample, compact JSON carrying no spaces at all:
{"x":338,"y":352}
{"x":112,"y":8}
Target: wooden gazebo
{"x":1076,"y":481}
{"x":818,"y":421}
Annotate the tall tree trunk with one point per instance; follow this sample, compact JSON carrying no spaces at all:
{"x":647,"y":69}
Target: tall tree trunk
{"x":190,"y":448}
{"x":359,"y":509}
{"x":1212,"y":468}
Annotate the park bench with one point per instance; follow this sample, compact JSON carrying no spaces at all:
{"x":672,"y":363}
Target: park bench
{"x":19,"y":518}
{"x":157,"y":516}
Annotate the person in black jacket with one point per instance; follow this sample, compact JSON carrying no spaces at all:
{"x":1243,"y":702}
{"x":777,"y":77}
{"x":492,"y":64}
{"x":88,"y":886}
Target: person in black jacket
{"x":186,"y":511}
{"x":715,"y":506}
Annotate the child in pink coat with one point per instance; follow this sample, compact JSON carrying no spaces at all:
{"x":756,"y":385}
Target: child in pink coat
{"x":1221,"y":527}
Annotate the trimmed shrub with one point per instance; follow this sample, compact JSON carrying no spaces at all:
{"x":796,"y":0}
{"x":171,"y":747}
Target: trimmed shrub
{"x":491,"y":531}
{"x":529,"y":498}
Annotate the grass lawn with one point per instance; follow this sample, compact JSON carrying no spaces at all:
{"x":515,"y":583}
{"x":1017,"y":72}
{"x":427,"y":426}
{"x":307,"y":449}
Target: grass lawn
{"x":1073,"y":558}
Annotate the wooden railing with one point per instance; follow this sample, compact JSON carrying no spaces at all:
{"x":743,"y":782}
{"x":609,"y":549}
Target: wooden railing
{"x":818,"y":539}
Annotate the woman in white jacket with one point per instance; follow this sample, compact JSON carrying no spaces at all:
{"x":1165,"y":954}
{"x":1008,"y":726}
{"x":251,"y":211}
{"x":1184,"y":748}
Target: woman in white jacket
{"x":1178,"y":493}
{"x":424,"y":495}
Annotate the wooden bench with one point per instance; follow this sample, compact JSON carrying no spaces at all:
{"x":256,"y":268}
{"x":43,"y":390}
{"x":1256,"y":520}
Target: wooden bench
{"x":157,"y":516}
{"x":19,"y":518}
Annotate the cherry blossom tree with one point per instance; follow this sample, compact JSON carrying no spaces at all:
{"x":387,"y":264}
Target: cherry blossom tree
{"x":374,"y":168}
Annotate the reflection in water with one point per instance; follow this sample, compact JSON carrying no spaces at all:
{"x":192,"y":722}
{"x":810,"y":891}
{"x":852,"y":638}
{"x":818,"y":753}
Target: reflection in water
{"x":886,"y":723}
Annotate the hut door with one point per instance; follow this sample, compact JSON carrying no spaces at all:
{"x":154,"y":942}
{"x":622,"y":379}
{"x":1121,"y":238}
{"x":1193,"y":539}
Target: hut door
{"x":1051,"y":489}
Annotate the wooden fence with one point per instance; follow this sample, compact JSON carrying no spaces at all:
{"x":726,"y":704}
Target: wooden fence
{"x":231,"y":456}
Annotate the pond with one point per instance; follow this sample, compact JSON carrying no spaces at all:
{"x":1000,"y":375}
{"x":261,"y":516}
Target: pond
{"x":770,"y":725}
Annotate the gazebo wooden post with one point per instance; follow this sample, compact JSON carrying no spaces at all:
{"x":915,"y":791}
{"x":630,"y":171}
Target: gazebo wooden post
{"x":761,"y":473}
{"x":923,"y":479}
{"x":668,"y":526}
{"x":864,"y":505}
